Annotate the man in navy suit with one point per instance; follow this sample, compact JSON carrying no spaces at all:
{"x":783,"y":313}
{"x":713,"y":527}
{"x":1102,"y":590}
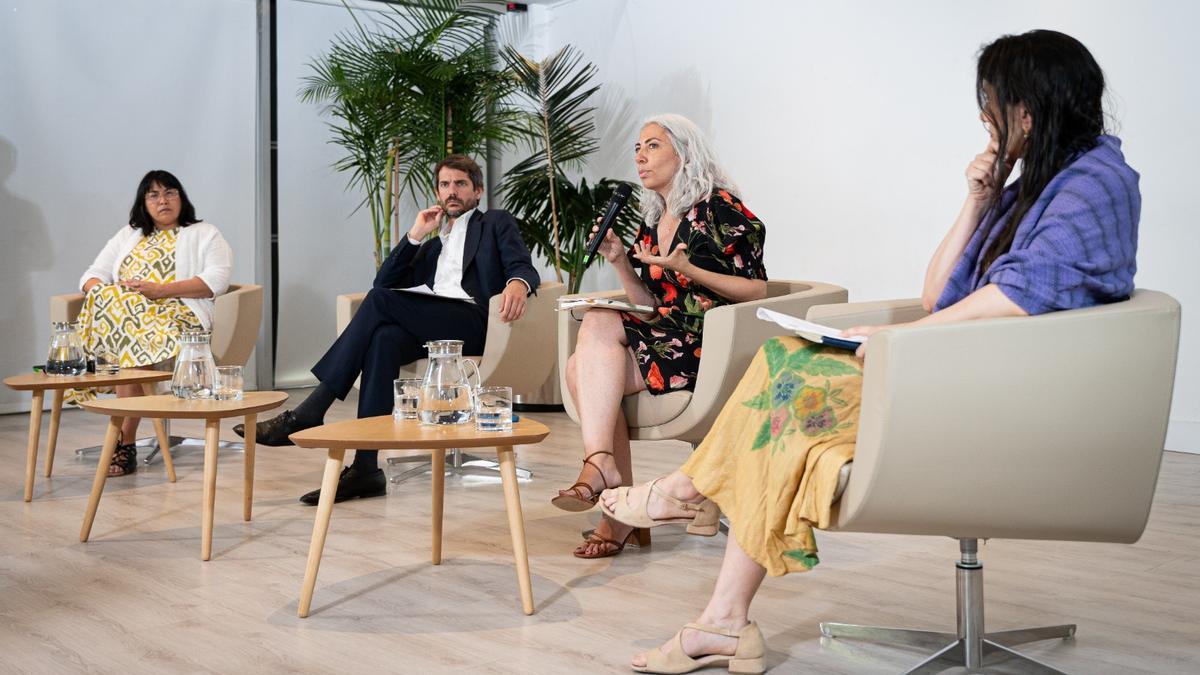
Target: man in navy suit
{"x":475,"y":256}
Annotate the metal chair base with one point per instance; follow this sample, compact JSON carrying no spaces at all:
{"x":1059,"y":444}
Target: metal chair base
{"x":970,"y":646}
{"x":457,"y":463}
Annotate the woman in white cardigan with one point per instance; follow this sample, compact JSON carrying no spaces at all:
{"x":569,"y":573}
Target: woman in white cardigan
{"x":152,"y":281}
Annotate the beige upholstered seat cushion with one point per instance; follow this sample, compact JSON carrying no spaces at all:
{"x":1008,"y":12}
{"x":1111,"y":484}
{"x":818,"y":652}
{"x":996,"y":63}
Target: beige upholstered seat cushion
{"x":644,"y":410}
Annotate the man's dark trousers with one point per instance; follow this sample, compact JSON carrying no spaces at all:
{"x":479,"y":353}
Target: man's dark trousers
{"x":389,"y":330}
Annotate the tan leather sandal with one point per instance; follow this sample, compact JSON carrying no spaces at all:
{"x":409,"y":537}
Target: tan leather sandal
{"x":703,"y":521}
{"x":573,"y":498}
{"x":747,"y":659}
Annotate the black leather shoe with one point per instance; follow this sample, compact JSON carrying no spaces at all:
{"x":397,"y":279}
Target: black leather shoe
{"x":275,"y":431}
{"x":351,"y":484}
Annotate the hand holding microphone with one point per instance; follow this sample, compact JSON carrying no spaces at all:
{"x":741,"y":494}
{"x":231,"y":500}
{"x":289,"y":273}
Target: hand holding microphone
{"x":603,"y":239}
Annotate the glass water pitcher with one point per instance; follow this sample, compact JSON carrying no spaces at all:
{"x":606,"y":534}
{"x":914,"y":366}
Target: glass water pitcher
{"x":447,"y":391}
{"x":66,"y":355}
{"x":195,"y":369}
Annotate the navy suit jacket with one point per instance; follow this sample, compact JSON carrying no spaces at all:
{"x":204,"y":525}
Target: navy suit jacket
{"x":493,"y":253}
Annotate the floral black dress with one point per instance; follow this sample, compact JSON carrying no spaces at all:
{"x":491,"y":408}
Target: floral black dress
{"x":722,"y":236}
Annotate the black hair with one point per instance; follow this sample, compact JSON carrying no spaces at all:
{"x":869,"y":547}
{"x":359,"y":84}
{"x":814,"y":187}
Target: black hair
{"x":139,"y":216}
{"x":1061,"y":86}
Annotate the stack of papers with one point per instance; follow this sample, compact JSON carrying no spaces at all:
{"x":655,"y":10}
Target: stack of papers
{"x":589,"y":303}
{"x":813,"y":332}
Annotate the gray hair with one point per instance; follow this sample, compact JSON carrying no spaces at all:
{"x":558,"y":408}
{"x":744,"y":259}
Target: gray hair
{"x":698,"y":175}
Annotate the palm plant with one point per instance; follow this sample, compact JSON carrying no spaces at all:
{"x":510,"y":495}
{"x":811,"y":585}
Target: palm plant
{"x":560,"y":134}
{"x":419,"y":84}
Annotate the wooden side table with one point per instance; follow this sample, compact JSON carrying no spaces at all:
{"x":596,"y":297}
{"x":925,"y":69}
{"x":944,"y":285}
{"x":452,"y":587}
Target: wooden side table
{"x":384,"y":433}
{"x":168,"y":406}
{"x":38,"y":383}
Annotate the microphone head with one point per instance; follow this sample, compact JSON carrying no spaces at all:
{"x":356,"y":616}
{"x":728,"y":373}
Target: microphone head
{"x":621,"y":193}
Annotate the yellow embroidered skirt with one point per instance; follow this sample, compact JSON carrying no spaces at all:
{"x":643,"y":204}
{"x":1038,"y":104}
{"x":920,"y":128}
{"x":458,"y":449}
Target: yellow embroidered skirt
{"x":139,"y":331}
{"x":772,"y":458}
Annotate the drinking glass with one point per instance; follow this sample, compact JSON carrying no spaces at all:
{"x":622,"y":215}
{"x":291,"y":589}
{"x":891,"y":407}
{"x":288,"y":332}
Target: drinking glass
{"x":406,"y":394}
{"x":493,"y":409}
{"x":107,"y":361}
{"x":229,"y":383}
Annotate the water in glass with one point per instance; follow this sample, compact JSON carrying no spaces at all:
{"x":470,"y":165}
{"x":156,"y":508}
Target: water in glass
{"x":493,"y":409}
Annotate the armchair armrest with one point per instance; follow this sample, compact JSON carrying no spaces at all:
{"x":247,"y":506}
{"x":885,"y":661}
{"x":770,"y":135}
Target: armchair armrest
{"x":347,"y":305}
{"x":65,"y":307}
{"x":875,"y":313}
{"x":237,"y":316}
{"x":520,"y":354}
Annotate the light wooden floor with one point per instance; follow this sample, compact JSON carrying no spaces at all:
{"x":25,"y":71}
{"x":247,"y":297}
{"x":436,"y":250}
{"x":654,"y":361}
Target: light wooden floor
{"x":137,"y":599}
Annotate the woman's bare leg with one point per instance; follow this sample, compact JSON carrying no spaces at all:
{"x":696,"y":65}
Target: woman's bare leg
{"x":728,"y":606}
{"x":130,"y":426}
{"x":602,"y":370}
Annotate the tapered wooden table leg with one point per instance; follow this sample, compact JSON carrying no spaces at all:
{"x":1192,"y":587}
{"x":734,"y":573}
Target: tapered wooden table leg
{"x":106,"y":455}
{"x":438,"y":473}
{"x":52,"y":437}
{"x":248,"y":466}
{"x":212,"y":430}
{"x":164,"y":440}
{"x":35,"y":429}
{"x":333,"y":467}
{"x":516,"y":524}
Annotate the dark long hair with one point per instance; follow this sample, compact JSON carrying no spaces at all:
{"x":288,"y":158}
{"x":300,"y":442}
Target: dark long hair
{"x":1061,"y":86}
{"x":139,"y":217}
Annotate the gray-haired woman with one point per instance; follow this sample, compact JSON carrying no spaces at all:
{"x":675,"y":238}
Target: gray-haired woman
{"x":698,"y":248}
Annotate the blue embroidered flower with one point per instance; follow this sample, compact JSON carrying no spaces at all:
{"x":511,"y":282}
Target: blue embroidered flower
{"x":784,"y":389}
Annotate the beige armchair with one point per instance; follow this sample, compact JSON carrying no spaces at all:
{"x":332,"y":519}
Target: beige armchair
{"x":1049,"y":427}
{"x":732,"y":335}
{"x":518,"y":354}
{"x":237,"y":315}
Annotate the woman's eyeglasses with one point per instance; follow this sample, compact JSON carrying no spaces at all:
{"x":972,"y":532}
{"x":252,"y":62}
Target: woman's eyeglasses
{"x":169,"y":194}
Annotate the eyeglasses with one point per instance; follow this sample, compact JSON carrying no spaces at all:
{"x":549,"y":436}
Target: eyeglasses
{"x":168,"y":194}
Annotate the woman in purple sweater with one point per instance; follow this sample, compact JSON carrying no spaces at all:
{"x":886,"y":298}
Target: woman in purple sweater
{"x":1061,"y":236}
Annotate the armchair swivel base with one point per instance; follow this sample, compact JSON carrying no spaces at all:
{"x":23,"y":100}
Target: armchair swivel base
{"x":971,"y":645}
{"x":457,"y":463}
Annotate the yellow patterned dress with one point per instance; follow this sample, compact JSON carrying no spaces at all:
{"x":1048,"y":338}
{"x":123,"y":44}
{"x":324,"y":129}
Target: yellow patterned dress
{"x":138,"y":330}
{"x":772,"y":458}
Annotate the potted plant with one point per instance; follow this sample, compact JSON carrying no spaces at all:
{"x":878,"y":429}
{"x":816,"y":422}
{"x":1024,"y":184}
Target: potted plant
{"x":556,"y":215}
{"x":419,"y":84}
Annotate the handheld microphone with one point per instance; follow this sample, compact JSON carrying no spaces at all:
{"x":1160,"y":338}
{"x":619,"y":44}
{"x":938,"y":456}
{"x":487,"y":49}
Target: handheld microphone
{"x":615,"y":203}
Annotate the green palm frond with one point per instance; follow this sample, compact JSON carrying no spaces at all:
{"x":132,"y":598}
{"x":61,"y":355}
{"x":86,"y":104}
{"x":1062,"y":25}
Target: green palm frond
{"x":558,"y":128}
{"x":419,"y":83}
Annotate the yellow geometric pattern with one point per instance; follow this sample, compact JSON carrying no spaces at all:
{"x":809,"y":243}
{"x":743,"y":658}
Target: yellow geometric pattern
{"x":140,"y":331}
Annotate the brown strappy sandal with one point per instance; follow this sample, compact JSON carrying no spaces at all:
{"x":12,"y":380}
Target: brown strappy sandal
{"x":573,"y":499}
{"x":611,"y":547}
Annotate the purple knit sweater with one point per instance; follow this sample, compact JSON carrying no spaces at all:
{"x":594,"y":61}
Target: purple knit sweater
{"x":1077,"y":245}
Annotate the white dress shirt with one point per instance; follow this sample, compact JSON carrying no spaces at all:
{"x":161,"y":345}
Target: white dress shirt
{"x":447,"y":278}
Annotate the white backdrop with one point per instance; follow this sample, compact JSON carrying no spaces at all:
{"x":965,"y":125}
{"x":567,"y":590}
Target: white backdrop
{"x":848,"y":125}
{"x":93,"y":95}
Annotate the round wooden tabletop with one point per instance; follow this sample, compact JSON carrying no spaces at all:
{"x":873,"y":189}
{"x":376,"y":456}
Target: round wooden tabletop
{"x":167,"y":405}
{"x":385,"y":433}
{"x":35,"y":381}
